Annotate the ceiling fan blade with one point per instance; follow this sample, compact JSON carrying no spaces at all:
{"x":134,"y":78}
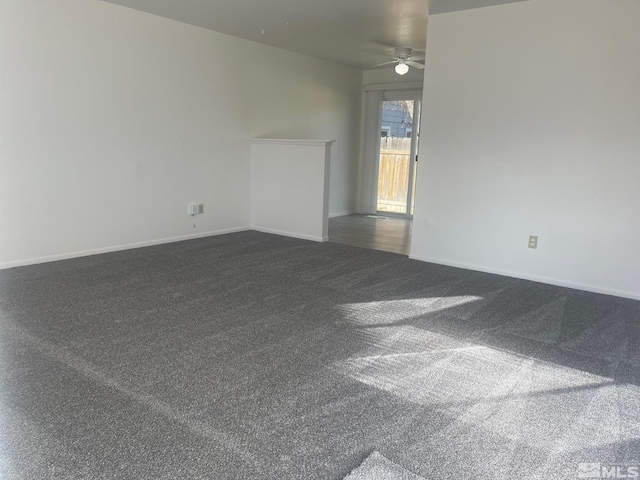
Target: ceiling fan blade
{"x":383,"y":64}
{"x":417,"y":65}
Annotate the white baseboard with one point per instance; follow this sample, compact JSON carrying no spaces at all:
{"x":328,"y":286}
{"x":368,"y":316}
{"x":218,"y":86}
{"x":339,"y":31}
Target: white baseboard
{"x":291,"y":234}
{"x":534,"y":278}
{"x":342,"y":214}
{"x":117,"y":248}
{"x":128,"y":246}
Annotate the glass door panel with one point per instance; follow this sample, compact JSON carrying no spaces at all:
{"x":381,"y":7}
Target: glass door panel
{"x":396,"y":173}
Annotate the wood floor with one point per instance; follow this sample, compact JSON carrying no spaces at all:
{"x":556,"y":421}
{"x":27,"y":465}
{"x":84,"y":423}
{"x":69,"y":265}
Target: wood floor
{"x":390,"y":234}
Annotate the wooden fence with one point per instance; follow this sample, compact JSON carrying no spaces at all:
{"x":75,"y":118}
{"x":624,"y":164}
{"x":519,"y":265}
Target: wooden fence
{"x":393,"y":178}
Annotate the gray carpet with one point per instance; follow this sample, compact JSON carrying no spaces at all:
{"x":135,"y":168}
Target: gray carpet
{"x":253,"y":356}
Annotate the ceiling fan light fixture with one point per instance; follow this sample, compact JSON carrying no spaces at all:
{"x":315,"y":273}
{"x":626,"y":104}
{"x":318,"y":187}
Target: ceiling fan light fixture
{"x":402,"y":68}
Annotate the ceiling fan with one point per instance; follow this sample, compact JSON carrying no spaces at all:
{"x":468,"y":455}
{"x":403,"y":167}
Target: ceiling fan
{"x":404,"y":60}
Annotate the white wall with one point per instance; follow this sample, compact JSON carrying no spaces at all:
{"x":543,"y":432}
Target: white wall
{"x":531,"y":126}
{"x":300,"y":97}
{"x":113,"y":120}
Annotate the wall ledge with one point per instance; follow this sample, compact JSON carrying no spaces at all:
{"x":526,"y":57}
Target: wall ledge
{"x":290,"y":141}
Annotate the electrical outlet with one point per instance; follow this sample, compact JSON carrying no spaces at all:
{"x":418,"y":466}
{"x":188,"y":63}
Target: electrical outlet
{"x":192,"y":208}
{"x":533,"y":241}
{"x":201,"y":208}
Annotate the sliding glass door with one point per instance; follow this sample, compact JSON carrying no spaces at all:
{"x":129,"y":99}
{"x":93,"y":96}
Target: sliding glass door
{"x":399,"y":134}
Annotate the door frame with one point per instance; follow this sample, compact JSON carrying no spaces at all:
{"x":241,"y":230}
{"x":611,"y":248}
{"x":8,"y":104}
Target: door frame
{"x":413,"y":155}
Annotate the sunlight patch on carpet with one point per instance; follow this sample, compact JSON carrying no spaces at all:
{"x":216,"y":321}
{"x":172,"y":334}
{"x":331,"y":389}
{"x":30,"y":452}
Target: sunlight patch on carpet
{"x":392,"y":311}
{"x":377,"y":467}
{"x":541,"y":404}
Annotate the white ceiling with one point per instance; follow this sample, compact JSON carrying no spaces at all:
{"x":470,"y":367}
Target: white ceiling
{"x":359,"y":33}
